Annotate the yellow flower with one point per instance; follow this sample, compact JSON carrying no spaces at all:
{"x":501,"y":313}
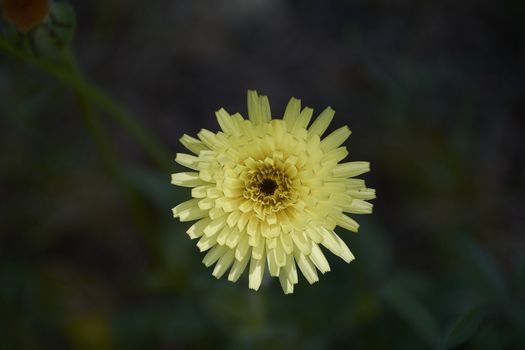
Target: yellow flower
{"x":270,"y":192}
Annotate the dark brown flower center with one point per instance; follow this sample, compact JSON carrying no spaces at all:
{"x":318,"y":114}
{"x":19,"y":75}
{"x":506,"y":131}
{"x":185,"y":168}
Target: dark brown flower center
{"x":268,"y":186}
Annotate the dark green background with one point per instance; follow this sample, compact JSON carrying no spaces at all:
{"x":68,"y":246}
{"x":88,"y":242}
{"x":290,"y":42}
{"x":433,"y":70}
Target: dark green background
{"x":91,"y":258}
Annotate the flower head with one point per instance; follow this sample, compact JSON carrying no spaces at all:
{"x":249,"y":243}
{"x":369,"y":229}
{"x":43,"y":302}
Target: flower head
{"x":270,"y":192}
{"x":25,"y":14}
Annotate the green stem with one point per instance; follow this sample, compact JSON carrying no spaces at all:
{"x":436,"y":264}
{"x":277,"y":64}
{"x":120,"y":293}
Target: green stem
{"x":73,"y":78}
{"x":110,"y":160}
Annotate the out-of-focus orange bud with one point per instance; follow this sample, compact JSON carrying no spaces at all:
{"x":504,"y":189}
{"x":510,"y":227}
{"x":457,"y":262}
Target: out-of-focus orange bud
{"x":25,"y":14}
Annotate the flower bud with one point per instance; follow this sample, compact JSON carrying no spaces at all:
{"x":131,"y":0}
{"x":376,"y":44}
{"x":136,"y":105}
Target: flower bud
{"x":25,"y":14}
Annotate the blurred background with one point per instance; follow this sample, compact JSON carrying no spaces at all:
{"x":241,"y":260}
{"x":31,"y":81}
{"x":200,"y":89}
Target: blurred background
{"x":91,"y":114}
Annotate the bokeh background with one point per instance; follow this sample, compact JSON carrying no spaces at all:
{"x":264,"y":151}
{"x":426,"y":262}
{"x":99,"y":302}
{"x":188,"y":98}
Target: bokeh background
{"x":91,"y":258}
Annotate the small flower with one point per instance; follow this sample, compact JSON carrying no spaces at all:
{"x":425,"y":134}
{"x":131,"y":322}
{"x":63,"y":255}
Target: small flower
{"x":269,"y":192}
{"x":25,"y":14}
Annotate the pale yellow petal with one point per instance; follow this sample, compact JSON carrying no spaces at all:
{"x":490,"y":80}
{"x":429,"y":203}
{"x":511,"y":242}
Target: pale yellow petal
{"x":243,"y":220}
{"x":319,"y":259}
{"x":347,"y":222}
{"x":335,"y":139}
{"x":363,"y":193}
{"x":187,"y":179}
{"x":291,"y":113}
{"x":214,"y":226}
{"x":214,"y":254}
{"x":206,"y":203}
{"x":233,"y":238}
{"x":223,"y":264}
{"x":223,"y":234}
{"x":322,"y":122}
{"x":206,"y":242}
{"x":335,"y":155}
{"x":314,"y":235}
{"x":351,"y":169}
{"x":302,"y":121}
{"x":301,"y":241}
{"x":255,"y":240}
{"x":330,"y":242}
{"x":189,"y":210}
{"x":266,"y":113}
{"x":226,"y":123}
{"x":229,"y":204}
{"x":358,"y":206}
{"x":210,"y":139}
{"x":238,"y":268}
{"x":257,"y":267}
{"x":216,"y":213}
{"x":258,"y":108}
{"x":251,"y":228}
{"x":306,"y":267}
{"x":280,"y":254}
{"x":254,"y":109}
{"x":258,"y":250}
{"x":286,"y":241}
{"x":197,"y":229}
{"x":352,"y":183}
{"x":242,"y":248}
{"x":192,"y":144}
{"x":286,"y":285}
{"x":290,"y":270}
{"x":191,"y":214}
{"x":346,"y":254}
{"x":213,"y":192}
{"x":233,"y":217}
{"x":273,"y":268}
{"x":199,"y":191}
{"x":187,"y":160}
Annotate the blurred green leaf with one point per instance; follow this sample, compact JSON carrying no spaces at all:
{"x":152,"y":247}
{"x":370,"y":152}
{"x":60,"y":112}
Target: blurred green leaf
{"x":154,"y":185}
{"x":10,"y":33}
{"x":413,"y":311}
{"x":481,"y":269}
{"x":162,"y":321}
{"x":520,"y":280}
{"x":494,"y":335}
{"x":46,"y":44}
{"x":372,"y":245}
{"x":63,"y":21}
{"x":52,"y":38}
{"x":463,"y":327}
{"x":89,"y":330}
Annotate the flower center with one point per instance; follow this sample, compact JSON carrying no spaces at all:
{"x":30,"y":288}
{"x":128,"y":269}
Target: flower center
{"x":268,"y":186}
